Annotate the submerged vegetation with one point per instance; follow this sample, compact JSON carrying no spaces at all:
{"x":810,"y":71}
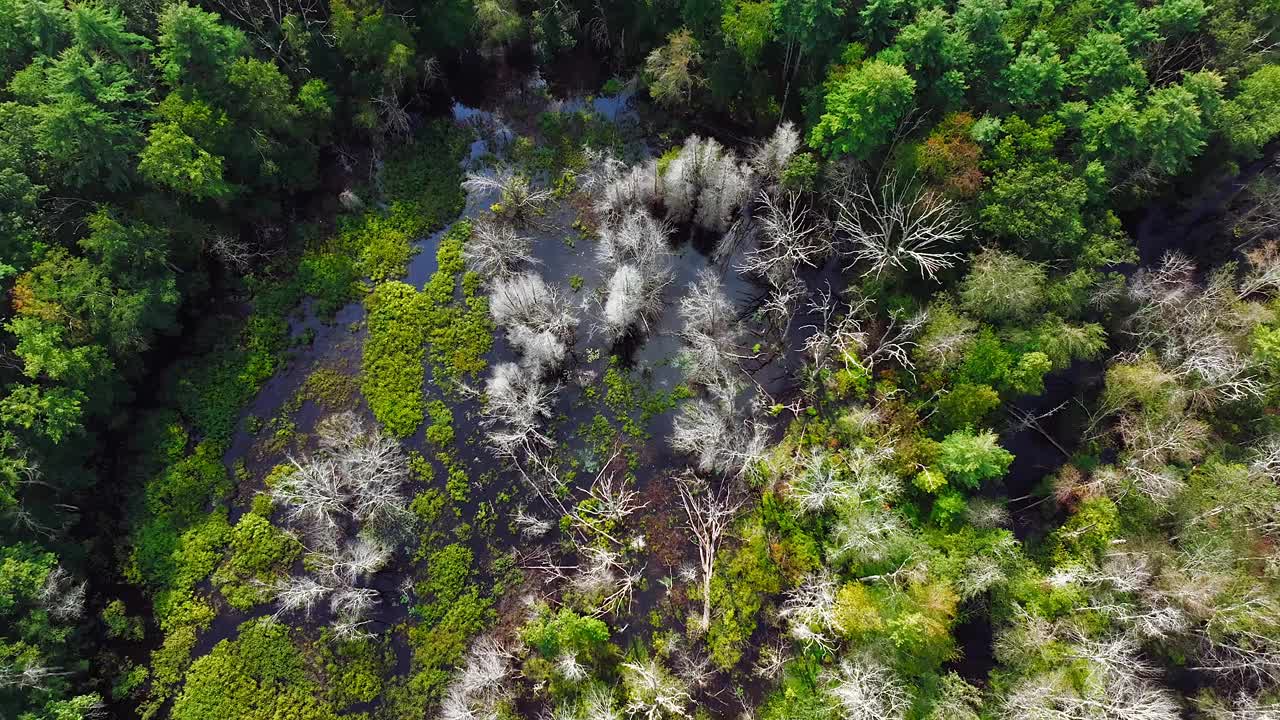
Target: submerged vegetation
{"x":391,"y":359}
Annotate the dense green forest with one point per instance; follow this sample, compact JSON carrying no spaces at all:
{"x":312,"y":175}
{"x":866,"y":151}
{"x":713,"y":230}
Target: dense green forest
{"x":776,"y":359}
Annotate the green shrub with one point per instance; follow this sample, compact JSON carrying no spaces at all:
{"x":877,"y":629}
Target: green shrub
{"x":330,"y":388}
{"x":354,"y":669}
{"x":440,"y":431}
{"x":968,"y":459}
{"x":260,"y":553}
{"x":120,"y":625}
{"x":392,"y":369}
{"x":257,"y":676}
{"x":183,"y":492}
{"x":460,"y":333}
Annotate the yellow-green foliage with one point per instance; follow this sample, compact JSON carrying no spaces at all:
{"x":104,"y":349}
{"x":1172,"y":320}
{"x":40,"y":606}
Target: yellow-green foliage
{"x":743,"y":580}
{"x":167,"y":665}
{"x":392,"y":370}
{"x":353,"y":669}
{"x":330,"y":388}
{"x":260,"y":553}
{"x":384,"y":244}
{"x":461,"y":333}
{"x":259,"y":675}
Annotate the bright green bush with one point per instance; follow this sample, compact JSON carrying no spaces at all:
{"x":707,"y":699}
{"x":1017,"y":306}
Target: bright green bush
{"x":354,"y":669}
{"x":258,"y":675}
{"x":392,"y":370}
{"x":120,"y":624}
{"x":260,"y":553}
{"x":440,"y":431}
{"x":460,"y":333}
{"x":743,"y":581}
{"x":966,"y":404}
{"x":969,"y":458}
{"x":183,"y":492}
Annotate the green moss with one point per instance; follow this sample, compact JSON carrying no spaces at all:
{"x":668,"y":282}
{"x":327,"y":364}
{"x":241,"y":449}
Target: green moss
{"x":391,"y":374}
{"x":460,"y":333}
{"x":440,"y":432}
{"x":259,"y":675}
{"x":331,"y":389}
{"x":260,"y":554}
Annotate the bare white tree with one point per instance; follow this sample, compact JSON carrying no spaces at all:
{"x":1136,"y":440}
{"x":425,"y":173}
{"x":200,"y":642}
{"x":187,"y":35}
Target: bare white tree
{"x":958,"y":700}
{"x":476,"y":691}
{"x":711,"y":332}
{"x":710,"y":512}
{"x":1263,"y":273}
{"x":864,"y":689}
{"x":539,"y":320}
{"x":791,"y":236}
{"x":497,"y":250}
{"x":637,"y":239}
{"x":636,"y":249}
{"x":632,"y":300}
{"x":705,"y":183}
{"x":613,"y":500}
{"x":1116,"y":684}
{"x":299,"y":593}
{"x":606,"y":579}
{"x":854,"y":338}
{"x":810,"y":608}
{"x":61,"y":596}
{"x":653,"y":692}
{"x":352,"y":483}
{"x":1194,"y":330}
{"x":518,"y":199}
{"x":772,"y":659}
{"x":770,"y":158}
{"x":517,"y":403}
{"x":619,"y":191}
{"x":234,"y":251}
{"x":531,"y":526}
{"x":710,"y":430}
{"x":899,"y":226}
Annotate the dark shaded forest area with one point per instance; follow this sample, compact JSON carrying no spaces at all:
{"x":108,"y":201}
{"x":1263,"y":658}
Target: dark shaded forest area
{"x":776,"y":359}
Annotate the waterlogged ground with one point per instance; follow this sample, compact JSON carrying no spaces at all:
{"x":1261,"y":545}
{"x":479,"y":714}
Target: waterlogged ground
{"x":612,"y":395}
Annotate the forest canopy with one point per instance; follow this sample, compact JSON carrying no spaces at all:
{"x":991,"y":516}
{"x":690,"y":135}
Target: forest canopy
{"x":777,"y":359}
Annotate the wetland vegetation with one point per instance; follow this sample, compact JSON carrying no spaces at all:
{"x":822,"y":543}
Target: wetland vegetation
{"x":777,"y":359}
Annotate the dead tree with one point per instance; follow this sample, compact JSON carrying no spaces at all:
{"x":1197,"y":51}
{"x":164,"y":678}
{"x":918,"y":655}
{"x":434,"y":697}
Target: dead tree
{"x":705,"y":183}
{"x":810,"y":610}
{"x":712,"y":333}
{"x":1117,"y":683}
{"x":710,"y":512}
{"x":517,"y":403}
{"x":518,"y":200}
{"x":900,"y":226}
{"x":855,"y":337}
{"x":711,"y":430}
{"x":538,"y":319}
{"x":483,"y":683}
{"x":653,"y":692}
{"x":790,"y":236}
{"x":770,"y":158}
{"x":497,"y":250}
{"x":865,"y":689}
{"x":347,"y":500}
